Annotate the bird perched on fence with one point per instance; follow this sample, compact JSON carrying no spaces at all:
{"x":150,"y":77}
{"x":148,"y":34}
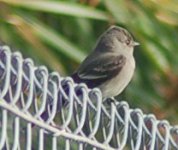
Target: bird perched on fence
{"x":110,"y":66}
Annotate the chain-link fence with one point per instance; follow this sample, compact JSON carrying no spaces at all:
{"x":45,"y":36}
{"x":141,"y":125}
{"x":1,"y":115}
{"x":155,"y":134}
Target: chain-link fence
{"x":41,"y":110}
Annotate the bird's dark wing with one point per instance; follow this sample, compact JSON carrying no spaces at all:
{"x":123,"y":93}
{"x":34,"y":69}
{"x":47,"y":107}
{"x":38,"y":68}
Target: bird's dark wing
{"x":99,"y":69}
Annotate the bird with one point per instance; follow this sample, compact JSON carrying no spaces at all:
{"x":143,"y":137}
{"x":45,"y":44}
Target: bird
{"x":110,"y":65}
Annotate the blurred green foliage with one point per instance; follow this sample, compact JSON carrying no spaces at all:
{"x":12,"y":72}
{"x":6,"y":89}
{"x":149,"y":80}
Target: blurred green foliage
{"x":60,"y":33}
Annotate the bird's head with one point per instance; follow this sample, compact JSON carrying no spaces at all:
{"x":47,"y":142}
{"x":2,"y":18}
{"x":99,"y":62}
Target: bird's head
{"x":116,"y":39}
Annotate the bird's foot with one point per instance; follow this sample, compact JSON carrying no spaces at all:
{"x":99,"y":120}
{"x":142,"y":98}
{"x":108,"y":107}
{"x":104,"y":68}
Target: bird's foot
{"x":110,"y":101}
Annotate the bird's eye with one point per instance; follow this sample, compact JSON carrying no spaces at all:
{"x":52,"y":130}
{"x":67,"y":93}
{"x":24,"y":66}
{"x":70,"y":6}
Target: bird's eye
{"x":127,"y":42}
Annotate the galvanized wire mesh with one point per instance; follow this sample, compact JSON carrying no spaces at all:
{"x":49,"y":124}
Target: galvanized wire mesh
{"x":37,"y":112}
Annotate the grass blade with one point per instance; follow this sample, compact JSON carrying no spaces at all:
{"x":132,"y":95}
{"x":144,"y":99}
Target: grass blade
{"x":64,"y":8}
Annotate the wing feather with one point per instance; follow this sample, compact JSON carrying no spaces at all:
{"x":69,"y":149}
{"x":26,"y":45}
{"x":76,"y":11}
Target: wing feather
{"x":96,"y":71}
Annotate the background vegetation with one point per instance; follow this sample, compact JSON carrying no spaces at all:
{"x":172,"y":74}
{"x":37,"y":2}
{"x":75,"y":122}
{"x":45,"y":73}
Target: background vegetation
{"x":60,"y":33}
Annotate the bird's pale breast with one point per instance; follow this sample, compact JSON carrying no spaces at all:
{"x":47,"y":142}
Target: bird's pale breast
{"x":115,"y":86}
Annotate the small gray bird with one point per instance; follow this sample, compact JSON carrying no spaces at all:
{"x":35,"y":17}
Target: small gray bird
{"x":110,"y":66}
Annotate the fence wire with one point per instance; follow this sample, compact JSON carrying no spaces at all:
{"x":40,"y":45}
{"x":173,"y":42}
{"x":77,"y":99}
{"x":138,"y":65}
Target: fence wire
{"x":41,"y":110}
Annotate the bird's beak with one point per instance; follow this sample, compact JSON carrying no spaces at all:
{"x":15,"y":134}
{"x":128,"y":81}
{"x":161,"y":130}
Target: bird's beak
{"x":136,"y":44}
